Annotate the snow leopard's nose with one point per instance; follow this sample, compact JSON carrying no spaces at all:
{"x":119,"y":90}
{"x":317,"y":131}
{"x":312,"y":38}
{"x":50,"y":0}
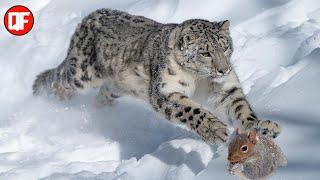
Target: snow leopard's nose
{"x":223,"y":71}
{"x":221,"y":63}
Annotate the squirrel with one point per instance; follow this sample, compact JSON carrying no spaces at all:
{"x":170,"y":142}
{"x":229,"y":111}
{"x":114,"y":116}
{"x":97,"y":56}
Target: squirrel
{"x":253,"y":156}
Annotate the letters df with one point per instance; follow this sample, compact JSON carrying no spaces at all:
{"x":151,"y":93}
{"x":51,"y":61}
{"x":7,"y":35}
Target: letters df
{"x":18,"y":20}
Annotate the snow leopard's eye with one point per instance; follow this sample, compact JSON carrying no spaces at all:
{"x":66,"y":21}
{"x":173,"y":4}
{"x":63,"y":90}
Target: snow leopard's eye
{"x":244,"y":148}
{"x":205,"y":54}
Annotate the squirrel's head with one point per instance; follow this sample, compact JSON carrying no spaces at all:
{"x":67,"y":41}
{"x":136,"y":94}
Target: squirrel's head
{"x":241,"y":146}
{"x":203,"y":47}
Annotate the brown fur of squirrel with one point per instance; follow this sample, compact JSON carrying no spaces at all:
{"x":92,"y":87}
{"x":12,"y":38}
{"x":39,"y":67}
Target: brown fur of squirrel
{"x":253,"y":156}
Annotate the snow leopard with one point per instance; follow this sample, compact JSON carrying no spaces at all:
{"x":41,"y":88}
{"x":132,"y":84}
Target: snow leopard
{"x":163,"y":64}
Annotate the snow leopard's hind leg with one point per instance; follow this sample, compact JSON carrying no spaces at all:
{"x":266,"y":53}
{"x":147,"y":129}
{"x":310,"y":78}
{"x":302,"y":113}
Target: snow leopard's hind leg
{"x":80,"y":70}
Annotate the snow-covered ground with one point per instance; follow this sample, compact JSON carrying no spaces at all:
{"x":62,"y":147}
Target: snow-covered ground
{"x":277,"y":57}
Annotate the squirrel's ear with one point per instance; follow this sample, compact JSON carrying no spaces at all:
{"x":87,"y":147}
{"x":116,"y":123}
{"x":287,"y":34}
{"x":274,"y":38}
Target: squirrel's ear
{"x":252,"y":135}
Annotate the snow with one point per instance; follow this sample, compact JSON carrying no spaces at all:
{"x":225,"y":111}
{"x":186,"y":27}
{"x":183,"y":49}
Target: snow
{"x":277,"y":50}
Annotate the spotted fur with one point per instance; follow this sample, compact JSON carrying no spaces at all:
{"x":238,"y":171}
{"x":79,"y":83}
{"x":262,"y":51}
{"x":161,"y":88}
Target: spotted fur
{"x":163,"y":64}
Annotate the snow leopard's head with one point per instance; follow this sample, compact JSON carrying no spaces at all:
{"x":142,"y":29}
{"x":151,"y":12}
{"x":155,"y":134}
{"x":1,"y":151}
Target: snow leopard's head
{"x":204,"y":47}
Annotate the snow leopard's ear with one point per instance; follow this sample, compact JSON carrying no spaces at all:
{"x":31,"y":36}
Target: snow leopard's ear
{"x":173,"y":39}
{"x":224,"y":25}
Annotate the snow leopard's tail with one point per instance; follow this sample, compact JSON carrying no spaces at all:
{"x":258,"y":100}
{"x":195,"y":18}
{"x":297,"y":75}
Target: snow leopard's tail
{"x":43,"y":82}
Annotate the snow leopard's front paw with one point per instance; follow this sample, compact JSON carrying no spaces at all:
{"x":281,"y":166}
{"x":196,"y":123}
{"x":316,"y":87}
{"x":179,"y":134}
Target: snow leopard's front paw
{"x":213,"y":131}
{"x":268,"y":128}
